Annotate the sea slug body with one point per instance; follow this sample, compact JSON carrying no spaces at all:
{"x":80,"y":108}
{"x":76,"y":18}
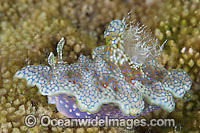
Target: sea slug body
{"x":117,"y":81}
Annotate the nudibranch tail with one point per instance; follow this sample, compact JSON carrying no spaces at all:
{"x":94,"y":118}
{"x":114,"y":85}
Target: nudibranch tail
{"x":114,"y":34}
{"x":122,"y":80}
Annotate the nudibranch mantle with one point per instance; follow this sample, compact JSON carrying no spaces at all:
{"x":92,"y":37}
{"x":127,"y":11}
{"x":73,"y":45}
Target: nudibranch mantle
{"x":114,"y":77}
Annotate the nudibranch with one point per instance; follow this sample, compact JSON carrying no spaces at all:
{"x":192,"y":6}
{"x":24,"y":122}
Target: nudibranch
{"x":122,"y":80}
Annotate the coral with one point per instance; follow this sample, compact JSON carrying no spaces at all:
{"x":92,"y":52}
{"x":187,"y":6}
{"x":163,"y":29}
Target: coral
{"x":30,"y":30}
{"x":178,"y":22}
{"x":92,"y":16}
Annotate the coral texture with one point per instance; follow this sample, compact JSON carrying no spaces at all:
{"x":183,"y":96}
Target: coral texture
{"x":30,"y":29}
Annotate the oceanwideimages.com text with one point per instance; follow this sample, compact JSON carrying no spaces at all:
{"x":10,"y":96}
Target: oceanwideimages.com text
{"x":45,"y":121}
